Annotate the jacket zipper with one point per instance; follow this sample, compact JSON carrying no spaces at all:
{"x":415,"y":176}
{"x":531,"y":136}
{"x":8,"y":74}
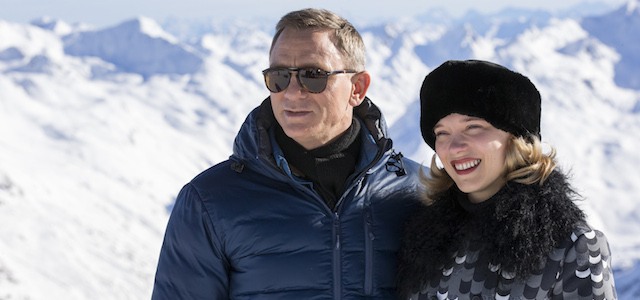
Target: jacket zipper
{"x":337,"y":260}
{"x":337,"y":247}
{"x":368,"y":238}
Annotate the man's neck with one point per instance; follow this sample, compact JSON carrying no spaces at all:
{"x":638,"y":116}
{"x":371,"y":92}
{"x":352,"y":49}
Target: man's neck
{"x":329,"y":166}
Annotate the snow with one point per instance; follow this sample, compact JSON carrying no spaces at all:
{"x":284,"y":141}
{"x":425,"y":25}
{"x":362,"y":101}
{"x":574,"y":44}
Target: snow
{"x":632,"y":7}
{"x":101,"y":127}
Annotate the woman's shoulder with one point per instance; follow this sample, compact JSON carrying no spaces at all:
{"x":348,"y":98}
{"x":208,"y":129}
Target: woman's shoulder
{"x":584,"y":235}
{"x":589,"y":243}
{"x":438,"y":212}
{"x":585,"y":252}
{"x":586,"y":265}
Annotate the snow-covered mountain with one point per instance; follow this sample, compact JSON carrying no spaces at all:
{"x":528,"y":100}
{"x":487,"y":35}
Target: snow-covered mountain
{"x":624,"y":39}
{"x":101,"y":127}
{"x":132,"y":47}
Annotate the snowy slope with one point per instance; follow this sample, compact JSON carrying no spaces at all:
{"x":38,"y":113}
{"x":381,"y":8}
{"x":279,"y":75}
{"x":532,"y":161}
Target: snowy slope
{"x":101,"y":128}
{"x":89,"y":166}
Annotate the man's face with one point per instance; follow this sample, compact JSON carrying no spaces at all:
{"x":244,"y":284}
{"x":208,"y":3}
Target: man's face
{"x":312,"y":120}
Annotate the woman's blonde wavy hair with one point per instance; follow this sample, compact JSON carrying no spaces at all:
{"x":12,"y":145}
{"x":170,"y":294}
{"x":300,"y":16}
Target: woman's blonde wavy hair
{"x":525,"y":163}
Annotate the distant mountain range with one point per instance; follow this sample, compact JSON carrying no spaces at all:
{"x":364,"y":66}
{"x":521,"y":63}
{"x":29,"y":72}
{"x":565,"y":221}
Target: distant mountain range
{"x":100,"y":128}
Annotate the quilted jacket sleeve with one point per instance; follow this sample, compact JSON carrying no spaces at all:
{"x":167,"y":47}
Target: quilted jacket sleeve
{"x":191,"y":265}
{"x":586,"y":272}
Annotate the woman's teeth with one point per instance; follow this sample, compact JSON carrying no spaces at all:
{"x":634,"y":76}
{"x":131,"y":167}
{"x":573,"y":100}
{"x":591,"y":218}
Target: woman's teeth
{"x":467,"y":165}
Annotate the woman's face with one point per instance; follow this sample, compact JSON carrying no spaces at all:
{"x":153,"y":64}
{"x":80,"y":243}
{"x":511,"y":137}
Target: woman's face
{"x":473,"y":153}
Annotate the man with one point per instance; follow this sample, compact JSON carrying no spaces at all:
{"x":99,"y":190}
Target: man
{"x":312,"y":202}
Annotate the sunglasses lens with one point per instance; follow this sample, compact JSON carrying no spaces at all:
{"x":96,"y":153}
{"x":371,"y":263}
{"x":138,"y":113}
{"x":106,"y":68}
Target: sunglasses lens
{"x":277,"y":80}
{"x":313,"y":80}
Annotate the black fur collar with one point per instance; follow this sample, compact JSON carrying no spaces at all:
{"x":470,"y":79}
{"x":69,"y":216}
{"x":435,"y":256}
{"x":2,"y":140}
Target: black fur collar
{"x":518,"y":227}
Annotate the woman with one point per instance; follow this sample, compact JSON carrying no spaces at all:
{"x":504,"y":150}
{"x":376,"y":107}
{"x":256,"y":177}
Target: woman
{"x":500,"y":220}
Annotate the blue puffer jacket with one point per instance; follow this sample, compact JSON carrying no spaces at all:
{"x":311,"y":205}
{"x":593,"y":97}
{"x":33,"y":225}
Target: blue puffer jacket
{"x":247,"y":229}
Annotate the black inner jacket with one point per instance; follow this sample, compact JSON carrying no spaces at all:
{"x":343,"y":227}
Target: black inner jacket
{"x":329,"y":166}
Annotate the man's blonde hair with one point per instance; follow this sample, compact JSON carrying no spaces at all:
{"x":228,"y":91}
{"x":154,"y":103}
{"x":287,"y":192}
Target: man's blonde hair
{"x":345,"y":37}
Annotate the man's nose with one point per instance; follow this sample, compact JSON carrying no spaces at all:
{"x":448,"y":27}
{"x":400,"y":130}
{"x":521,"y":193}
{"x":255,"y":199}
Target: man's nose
{"x":294,"y":89}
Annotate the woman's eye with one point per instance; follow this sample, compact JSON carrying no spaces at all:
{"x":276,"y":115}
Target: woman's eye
{"x":474,"y":126}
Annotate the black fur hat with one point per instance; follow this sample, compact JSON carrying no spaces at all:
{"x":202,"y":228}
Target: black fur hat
{"x":506,"y":99}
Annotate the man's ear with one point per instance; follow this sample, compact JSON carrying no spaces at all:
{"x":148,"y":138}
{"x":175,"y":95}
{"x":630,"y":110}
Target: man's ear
{"x":360,"y":84}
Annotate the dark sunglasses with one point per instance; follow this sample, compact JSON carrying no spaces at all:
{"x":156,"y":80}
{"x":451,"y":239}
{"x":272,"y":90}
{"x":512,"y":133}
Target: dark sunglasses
{"x":311,"y":79}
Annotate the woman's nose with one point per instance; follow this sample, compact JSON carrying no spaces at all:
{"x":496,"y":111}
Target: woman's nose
{"x":458,"y":142}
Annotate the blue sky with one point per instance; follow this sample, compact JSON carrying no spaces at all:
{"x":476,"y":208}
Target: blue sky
{"x":104,"y":13}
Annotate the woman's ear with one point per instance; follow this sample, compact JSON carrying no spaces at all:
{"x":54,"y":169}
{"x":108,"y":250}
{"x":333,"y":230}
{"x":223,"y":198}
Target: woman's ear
{"x":360,"y":84}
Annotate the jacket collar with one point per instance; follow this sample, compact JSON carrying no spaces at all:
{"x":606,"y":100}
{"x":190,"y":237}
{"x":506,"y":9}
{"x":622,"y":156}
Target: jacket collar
{"x":255,"y":144}
{"x":517,"y":229}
